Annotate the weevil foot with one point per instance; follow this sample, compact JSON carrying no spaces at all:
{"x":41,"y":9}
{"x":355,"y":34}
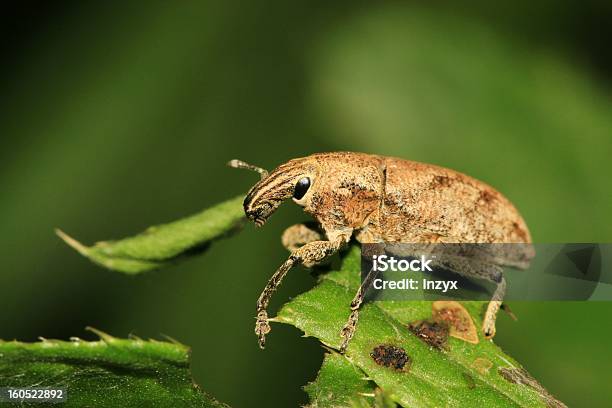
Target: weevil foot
{"x":349,"y":330}
{"x":488,"y":324}
{"x":262,"y":327}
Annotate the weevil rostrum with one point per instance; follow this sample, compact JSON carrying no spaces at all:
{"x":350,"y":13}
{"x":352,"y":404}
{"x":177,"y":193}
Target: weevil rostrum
{"x":378,"y":199}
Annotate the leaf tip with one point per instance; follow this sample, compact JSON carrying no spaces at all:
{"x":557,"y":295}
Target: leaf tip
{"x":82,"y":249}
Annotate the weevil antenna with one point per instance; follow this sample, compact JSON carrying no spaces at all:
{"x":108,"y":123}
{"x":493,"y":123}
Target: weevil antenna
{"x":239,"y":164}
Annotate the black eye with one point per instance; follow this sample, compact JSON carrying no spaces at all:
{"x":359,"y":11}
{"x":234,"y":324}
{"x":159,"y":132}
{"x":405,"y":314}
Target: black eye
{"x":301,"y":188}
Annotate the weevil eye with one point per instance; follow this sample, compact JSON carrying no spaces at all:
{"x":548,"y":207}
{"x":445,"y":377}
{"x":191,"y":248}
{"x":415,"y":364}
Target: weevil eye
{"x":301,"y":188}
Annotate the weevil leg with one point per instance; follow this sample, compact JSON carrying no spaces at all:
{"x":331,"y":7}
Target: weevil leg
{"x":351,"y":325}
{"x":492,"y":273}
{"x":488,"y":324}
{"x":310,"y":253}
{"x":299,"y":235}
{"x":481,"y":268}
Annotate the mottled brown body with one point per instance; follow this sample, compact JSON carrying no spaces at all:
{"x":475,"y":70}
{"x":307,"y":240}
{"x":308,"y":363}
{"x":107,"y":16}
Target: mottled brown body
{"x":394,"y":200}
{"x":380,"y":199}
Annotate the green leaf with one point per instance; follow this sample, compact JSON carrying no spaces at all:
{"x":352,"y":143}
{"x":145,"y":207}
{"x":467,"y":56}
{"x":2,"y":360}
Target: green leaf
{"x":462,"y":375}
{"x":161,"y":245}
{"x":340,"y":384}
{"x":110,"y":372}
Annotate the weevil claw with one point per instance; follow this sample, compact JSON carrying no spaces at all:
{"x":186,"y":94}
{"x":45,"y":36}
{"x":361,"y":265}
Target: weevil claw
{"x":489,"y":330}
{"x":262,"y":327}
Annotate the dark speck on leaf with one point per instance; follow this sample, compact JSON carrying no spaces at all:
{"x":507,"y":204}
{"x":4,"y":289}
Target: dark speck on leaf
{"x":390,"y":356}
{"x":435,"y":334}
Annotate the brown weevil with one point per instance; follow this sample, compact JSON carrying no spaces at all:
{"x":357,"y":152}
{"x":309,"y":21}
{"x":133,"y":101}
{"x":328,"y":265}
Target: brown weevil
{"x":378,"y":199}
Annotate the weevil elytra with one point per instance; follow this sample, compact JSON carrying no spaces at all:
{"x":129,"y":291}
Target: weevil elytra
{"x":378,"y":199}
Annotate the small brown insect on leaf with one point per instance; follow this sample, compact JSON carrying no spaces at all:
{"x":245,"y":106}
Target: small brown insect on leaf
{"x":390,"y":356}
{"x":459,"y":320}
{"x":374,"y":198}
{"x":434,"y":334}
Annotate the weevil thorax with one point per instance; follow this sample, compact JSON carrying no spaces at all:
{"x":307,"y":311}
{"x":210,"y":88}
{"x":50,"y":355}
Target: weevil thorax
{"x":268,"y":194}
{"x":347,"y":193}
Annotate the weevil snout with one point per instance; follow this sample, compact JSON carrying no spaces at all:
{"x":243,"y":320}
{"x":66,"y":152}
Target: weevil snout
{"x":258,"y":212}
{"x":266,"y":196}
{"x":292,"y":179}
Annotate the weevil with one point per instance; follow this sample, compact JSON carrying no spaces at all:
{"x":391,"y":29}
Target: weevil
{"x":378,"y":199}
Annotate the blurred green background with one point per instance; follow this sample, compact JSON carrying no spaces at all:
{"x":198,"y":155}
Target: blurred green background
{"x":117,"y":116}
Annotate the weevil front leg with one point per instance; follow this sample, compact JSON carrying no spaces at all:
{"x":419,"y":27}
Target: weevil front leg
{"x":309,"y":254}
{"x":299,"y":235}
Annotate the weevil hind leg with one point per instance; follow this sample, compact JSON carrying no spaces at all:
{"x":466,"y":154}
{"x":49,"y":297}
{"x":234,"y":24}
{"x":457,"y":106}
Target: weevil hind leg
{"x":351,"y":325}
{"x":481,"y":269}
{"x":308,"y":254}
{"x":488,"y":323}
